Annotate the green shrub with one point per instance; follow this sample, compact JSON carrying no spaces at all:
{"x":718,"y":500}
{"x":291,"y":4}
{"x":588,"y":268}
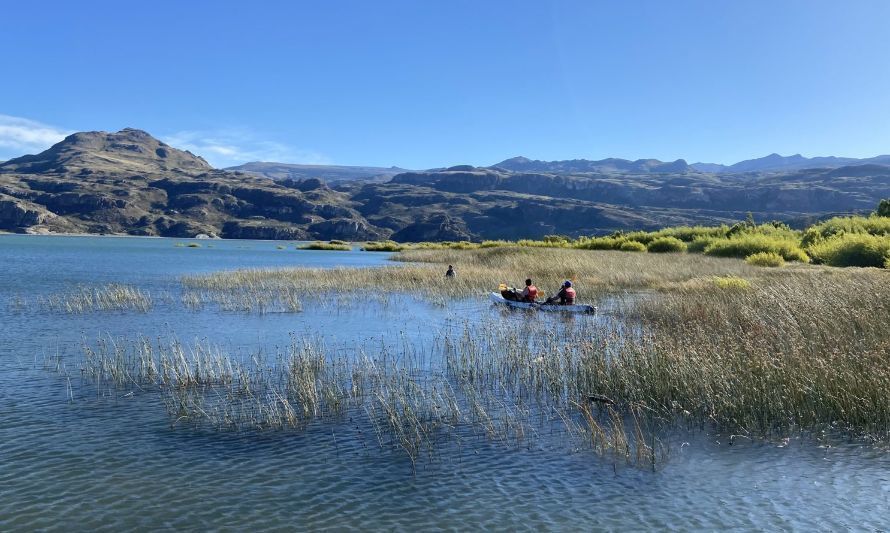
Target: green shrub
{"x":529,"y":243}
{"x":643,"y":237}
{"x":883,"y":208}
{"x":495,"y":244}
{"x":765,"y":259}
{"x":698,"y":245}
{"x":666,"y":245}
{"x":852,"y":249}
{"x":600,"y":243}
{"x":632,"y":246}
{"x":743,"y":245}
{"x":873,"y":225}
{"x":731,"y":283}
{"x":318,"y":245}
{"x":335,"y":241}
{"x":382,"y":246}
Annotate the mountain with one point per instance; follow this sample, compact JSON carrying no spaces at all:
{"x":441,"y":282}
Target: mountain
{"x":128,"y":182}
{"x":776,"y":162}
{"x":329,"y":173}
{"x":612,"y":165}
{"x":128,"y":150}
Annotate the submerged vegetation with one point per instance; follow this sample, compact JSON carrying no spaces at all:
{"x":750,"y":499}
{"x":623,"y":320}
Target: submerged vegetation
{"x":757,"y":353}
{"x":87,"y":299}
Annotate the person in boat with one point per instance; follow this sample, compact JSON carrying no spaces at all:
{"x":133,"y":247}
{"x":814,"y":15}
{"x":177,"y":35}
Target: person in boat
{"x":530,"y":292}
{"x":566,"y":294}
{"x":450,"y":272}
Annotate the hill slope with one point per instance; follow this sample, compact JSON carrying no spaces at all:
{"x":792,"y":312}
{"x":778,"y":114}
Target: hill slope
{"x":130,"y":183}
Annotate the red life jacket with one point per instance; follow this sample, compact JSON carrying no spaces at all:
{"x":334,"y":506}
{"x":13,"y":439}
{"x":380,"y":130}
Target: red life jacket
{"x":570,"y":295}
{"x":531,"y":292}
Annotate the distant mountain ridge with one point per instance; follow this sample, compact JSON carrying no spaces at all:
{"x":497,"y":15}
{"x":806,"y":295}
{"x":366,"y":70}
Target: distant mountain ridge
{"x":775,"y":162}
{"x":770,"y":163}
{"x":128,"y":182}
{"x":640,"y":166}
{"x":329,"y":173}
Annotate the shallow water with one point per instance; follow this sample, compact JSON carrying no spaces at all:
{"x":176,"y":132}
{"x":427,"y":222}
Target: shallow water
{"x":114,"y":462}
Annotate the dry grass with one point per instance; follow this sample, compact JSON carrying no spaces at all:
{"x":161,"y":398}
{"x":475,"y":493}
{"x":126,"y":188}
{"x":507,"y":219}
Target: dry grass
{"x":596,"y":273}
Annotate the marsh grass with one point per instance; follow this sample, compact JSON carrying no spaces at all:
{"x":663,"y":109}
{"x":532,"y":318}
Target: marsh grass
{"x":721,"y":345}
{"x":409,"y":402}
{"x":421,"y":275}
{"x":331,"y":245}
{"x":92,"y":298}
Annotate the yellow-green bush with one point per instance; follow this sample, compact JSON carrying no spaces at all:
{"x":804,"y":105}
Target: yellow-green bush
{"x":852,"y":249}
{"x":383,"y":246}
{"x":699,"y":244}
{"x":731,"y":283}
{"x":318,"y":245}
{"x":494,"y":244}
{"x":873,"y":225}
{"x":600,"y":243}
{"x":765,"y":259}
{"x":632,"y":246}
{"x":666,"y":245}
{"x":743,"y":245}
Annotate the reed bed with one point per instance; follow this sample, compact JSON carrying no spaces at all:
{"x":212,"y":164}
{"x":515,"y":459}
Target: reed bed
{"x":724,"y":346}
{"x":596,"y":274}
{"x":418,"y":405}
{"x":87,"y":299}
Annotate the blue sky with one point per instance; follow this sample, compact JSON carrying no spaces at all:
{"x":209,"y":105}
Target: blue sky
{"x":423,"y":84}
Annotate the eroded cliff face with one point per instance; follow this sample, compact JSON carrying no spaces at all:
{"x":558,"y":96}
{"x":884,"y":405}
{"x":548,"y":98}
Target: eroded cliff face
{"x":16,"y":214}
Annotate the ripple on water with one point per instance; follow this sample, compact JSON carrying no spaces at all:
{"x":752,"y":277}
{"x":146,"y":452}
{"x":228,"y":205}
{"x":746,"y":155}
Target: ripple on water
{"x":115,"y":464}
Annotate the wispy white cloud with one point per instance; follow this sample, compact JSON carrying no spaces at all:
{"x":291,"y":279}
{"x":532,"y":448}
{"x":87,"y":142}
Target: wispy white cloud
{"x":19,"y":136}
{"x":229,"y":147}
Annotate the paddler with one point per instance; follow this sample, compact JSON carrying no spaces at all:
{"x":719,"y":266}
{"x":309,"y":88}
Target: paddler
{"x":530,"y":292}
{"x":566,"y":294}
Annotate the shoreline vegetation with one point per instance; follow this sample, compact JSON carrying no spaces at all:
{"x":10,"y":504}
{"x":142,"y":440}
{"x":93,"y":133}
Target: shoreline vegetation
{"x":839,"y":241}
{"x":763,"y":348}
{"x":758,"y":353}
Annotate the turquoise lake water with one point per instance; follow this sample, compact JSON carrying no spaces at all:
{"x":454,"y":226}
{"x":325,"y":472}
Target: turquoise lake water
{"x":115,"y":463}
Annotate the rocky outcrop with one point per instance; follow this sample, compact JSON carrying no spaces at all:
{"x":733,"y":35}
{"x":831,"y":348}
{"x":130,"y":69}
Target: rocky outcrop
{"x":238,"y":229}
{"x":347,"y":229}
{"x":437,"y":227}
{"x":16,"y":214}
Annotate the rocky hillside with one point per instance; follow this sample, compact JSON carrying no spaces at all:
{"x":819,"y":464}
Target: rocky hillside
{"x":130,"y":183}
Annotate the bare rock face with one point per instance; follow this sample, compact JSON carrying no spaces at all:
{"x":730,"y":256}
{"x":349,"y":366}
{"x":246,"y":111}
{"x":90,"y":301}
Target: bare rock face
{"x":16,"y":215}
{"x":438,"y":227}
{"x":263,"y":230}
{"x":346,"y":229}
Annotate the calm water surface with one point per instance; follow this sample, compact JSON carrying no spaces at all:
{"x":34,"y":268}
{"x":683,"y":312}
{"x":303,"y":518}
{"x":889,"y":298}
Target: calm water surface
{"x":114,"y":463}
